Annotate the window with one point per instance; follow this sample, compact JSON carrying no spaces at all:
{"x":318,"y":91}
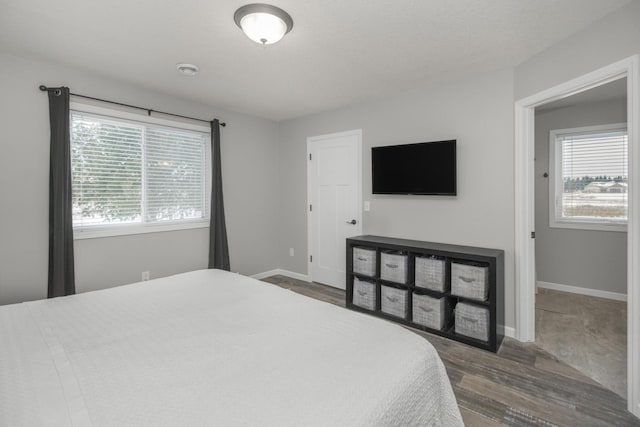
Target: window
{"x":130,"y":176}
{"x":589,"y":178}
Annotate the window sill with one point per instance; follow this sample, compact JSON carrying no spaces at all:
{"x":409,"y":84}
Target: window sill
{"x":592,"y":226}
{"x":97,"y":232}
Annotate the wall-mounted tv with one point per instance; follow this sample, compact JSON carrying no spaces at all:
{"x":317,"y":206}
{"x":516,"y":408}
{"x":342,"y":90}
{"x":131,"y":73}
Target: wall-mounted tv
{"x":427,"y":168}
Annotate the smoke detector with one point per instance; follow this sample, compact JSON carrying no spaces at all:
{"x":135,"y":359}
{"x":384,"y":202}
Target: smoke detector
{"x":187,"y":69}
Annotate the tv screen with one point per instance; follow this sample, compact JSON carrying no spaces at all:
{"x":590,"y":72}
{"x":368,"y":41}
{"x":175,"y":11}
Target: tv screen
{"x":424,"y":168}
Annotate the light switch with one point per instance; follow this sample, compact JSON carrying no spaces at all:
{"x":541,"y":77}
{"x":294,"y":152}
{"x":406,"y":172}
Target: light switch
{"x":367,"y":206}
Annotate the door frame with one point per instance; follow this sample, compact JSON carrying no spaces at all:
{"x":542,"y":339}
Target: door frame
{"x":525,"y":216}
{"x":310,"y":182}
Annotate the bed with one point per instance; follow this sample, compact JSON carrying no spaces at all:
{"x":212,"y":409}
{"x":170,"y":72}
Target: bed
{"x":213,"y":348}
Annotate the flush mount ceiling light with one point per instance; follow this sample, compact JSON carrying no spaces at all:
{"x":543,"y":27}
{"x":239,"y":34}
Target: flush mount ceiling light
{"x":187,"y":69}
{"x":263,"y":23}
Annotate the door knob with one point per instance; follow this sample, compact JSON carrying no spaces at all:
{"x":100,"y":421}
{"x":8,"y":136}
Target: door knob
{"x":352,"y":222}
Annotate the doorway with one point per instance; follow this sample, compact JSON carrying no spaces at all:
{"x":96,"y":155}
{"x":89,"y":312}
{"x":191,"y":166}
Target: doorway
{"x":581,"y":198}
{"x":525,"y":217}
{"x":334,"y":180}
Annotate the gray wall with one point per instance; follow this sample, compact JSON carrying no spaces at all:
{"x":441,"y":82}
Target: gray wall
{"x":250,"y":177}
{"x":477,"y":111}
{"x":584,"y":258}
{"x":267,"y":207}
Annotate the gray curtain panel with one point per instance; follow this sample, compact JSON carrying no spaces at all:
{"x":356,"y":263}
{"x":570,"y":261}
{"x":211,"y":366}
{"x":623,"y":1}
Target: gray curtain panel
{"x":218,"y":245}
{"x":61,"y":266}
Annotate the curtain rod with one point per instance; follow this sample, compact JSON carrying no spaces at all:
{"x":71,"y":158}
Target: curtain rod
{"x":44,"y":88}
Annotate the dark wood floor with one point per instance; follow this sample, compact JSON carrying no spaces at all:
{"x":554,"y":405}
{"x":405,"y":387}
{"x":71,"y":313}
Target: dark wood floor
{"x":521,"y":385}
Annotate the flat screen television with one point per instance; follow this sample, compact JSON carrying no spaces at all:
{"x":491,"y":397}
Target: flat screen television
{"x":427,"y":168}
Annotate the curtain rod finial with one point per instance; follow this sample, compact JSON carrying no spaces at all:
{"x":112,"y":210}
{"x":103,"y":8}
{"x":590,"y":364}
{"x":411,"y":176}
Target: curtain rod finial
{"x":223,"y":124}
{"x":43,"y":88}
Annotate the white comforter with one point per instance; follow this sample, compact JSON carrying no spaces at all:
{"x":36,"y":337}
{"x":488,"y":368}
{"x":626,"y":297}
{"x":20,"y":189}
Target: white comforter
{"x":213,"y":348}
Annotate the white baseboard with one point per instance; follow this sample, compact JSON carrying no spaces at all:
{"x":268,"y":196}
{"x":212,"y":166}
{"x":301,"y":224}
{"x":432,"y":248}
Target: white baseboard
{"x":265,"y":274}
{"x":582,"y":291}
{"x":281,"y":272}
{"x":509,"y":332}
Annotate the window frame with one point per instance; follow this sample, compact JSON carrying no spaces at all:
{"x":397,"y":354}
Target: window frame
{"x":113,"y":230}
{"x":556,"y":185}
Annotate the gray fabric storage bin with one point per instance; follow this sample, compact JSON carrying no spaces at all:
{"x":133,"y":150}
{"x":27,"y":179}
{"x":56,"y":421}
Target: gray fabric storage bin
{"x":429,"y":311}
{"x":364,"y":261}
{"x":394,"y":301}
{"x":393,"y":267}
{"x":430,"y":273}
{"x":470,"y":281}
{"x":364,"y":293}
{"x":472,"y":321}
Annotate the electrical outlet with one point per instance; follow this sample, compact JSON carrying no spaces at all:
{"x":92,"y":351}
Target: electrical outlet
{"x":146,"y":275}
{"x":291,"y":252}
{"x":367,"y":206}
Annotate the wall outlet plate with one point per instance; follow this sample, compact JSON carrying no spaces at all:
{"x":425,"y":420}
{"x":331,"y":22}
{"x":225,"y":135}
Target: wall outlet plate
{"x":367,"y":206}
{"x":146,"y":275}
{"x":291,"y":252}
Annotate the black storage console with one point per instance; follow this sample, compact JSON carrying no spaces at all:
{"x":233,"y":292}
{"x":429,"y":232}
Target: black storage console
{"x":453,"y":291}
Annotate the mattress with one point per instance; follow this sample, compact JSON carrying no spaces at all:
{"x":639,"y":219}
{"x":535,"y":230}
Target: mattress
{"x":213,"y":348}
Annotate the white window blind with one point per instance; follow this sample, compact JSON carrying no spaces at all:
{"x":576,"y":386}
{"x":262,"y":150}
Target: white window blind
{"x":592,"y":167}
{"x":127,"y":173}
{"x":174,"y":175}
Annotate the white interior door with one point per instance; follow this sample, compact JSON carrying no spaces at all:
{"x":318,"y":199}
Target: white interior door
{"x":335,"y":194}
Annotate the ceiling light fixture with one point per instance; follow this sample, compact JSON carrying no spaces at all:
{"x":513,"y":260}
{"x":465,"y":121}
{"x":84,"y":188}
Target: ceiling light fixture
{"x":187,"y":69}
{"x":263,"y":23}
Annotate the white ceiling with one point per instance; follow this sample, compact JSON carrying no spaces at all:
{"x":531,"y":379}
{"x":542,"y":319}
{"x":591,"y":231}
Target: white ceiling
{"x":340,"y":52}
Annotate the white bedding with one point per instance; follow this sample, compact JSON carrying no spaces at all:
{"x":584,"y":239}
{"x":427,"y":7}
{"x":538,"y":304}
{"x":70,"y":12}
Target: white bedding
{"x":213,"y":348}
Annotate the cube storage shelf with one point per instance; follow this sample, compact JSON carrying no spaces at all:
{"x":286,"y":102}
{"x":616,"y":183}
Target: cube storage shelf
{"x":478,"y":317}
